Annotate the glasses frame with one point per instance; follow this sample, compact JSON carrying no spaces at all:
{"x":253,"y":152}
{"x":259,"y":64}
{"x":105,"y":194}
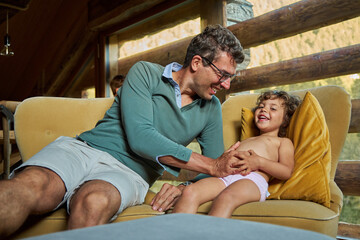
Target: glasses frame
{"x":224,"y":75}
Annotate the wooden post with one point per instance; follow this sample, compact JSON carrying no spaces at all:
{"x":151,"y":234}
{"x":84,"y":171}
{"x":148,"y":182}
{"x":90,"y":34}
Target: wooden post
{"x":213,"y":12}
{"x":355,"y":116}
{"x":348,"y":177}
{"x":312,"y":67}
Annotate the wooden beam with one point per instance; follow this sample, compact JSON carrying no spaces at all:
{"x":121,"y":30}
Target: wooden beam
{"x":147,"y":16}
{"x":322,"y":65}
{"x":347,"y":177}
{"x":355,"y":116}
{"x":106,"y":14}
{"x":65,"y":74}
{"x":348,"y":231}
{"x":183,"y":12}
{"x":173,"y":52}
{"x":294,"y":19}
{"x":80,"y":78}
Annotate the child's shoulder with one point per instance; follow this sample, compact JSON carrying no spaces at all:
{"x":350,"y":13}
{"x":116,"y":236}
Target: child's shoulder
{"x":285,"y":140}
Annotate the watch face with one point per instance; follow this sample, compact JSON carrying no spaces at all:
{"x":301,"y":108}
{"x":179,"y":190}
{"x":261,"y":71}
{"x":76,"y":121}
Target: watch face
{"x":186,"y":183}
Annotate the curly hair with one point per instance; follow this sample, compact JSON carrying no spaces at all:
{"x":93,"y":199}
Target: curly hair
{"x":211,"y":41}
{"x":291,"y":103}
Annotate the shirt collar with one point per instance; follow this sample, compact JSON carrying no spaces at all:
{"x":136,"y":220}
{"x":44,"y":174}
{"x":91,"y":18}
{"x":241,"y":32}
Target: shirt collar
{"x":172,"y":67}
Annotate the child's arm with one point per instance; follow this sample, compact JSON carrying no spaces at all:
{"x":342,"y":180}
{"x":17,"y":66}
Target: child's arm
{"x":282,"y":169}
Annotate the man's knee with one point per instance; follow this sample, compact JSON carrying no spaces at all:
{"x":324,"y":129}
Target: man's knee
{"x":42,"y":183}
{"x":95,"y":199}
{"x":38,"y":177}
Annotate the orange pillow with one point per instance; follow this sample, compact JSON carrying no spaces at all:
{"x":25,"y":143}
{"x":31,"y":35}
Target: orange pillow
{"x":309,"y":133}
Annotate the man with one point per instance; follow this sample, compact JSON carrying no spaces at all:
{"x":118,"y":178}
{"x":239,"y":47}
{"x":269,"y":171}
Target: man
{"x":158,"y":111}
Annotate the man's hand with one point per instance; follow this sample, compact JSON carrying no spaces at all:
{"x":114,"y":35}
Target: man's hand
{"x":249,"y":162}
{"x":228,"y":163}
{"x":166,"y":197}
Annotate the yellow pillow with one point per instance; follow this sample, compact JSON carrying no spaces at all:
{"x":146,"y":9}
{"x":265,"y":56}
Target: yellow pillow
{"x":309,"y":133}
{"x":248,"y":128}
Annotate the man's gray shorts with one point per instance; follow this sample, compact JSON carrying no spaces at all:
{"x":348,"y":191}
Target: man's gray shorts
{"x":76,"y":163}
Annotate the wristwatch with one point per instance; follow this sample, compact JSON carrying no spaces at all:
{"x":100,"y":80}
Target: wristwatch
{"x":186,"y":183}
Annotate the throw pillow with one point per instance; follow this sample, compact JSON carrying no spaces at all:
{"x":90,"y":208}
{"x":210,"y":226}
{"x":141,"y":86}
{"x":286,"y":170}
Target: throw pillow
{"x":309,"y":133}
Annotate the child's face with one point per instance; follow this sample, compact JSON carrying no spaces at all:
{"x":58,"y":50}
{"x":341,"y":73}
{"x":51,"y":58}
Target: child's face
{"x":270,"y":115}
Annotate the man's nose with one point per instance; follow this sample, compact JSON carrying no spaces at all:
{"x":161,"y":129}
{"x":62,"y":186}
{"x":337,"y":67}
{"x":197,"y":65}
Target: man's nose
{"x":226,"y":84}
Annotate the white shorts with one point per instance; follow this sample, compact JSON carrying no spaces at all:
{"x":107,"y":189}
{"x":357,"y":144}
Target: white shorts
{"x":76,"y":163}
{"x":259,"y":180}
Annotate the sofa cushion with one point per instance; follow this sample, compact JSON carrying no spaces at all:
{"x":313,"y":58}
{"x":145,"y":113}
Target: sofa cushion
{"x":309,"y":133}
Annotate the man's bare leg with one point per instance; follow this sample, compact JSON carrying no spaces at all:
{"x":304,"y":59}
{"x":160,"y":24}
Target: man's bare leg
{"x":94,"y":203}
{"x":35,"y":190}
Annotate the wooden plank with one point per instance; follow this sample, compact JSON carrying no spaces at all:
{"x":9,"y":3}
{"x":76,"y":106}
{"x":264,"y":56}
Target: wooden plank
{"x":294,"y":19}
{"x":348,"y":230}
{"x":347,"y":177}
{"x":322,"y":65}
{"x":65,"y":74}
{"x":173,"y":52}
{"x":355,"y":116}
{"x":106,"y":14}
{"x":167,"y":19}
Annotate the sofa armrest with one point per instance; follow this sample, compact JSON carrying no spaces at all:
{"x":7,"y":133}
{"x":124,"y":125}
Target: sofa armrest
{"x":336,"y":199}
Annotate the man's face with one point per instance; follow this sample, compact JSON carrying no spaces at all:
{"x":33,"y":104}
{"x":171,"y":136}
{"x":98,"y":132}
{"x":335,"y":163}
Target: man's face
{"x":211,"y":80}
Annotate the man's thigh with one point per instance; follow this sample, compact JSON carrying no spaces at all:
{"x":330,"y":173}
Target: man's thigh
{"x":111,"y":175}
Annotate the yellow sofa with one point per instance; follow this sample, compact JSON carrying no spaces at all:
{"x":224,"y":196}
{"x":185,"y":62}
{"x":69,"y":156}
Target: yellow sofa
{"x":40,"y":120}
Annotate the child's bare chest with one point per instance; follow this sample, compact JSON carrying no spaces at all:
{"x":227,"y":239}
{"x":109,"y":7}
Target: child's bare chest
{"x":264,"y":146}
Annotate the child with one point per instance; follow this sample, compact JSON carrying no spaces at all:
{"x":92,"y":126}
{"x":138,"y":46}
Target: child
{"x":268,"y":155}
{"x":116,"y":82}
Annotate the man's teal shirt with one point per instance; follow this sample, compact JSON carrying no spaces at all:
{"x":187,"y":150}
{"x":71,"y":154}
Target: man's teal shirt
{"x":145,"y":123}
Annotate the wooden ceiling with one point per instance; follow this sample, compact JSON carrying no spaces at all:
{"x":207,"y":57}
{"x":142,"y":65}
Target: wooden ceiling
{"x":55,"y":42}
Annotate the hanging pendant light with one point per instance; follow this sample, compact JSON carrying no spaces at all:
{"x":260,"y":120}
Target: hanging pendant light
{"x":7,"y":51}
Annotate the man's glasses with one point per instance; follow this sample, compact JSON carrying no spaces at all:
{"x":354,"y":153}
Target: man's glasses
{"x":223,"y":75}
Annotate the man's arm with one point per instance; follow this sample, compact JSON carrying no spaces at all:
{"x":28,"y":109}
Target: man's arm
{"x":225,"y":165}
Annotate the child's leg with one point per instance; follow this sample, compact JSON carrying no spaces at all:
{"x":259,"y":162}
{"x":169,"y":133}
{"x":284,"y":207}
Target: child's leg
{"x":197,"y":193}
{"x":236,"y":194}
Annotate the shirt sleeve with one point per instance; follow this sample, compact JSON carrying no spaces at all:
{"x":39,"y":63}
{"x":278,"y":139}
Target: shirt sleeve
{"x":137,"y":117}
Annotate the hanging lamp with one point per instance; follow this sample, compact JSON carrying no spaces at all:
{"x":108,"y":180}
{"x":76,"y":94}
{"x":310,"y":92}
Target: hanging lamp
{"x":7,"y":51}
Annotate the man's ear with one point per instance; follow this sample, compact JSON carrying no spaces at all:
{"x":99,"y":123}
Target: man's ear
{"x":196,"y":62}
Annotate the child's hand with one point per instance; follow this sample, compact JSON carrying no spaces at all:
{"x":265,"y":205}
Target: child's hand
{"x":249,"y":162}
